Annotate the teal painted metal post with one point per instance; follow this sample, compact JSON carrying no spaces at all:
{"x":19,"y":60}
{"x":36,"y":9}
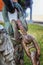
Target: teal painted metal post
{"x":31,"y":13}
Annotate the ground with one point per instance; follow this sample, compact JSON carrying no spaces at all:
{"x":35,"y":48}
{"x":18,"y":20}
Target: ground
{"x":37,"y":31}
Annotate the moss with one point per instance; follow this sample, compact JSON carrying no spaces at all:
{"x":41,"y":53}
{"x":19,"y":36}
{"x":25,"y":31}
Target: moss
{"x":2,"y":23}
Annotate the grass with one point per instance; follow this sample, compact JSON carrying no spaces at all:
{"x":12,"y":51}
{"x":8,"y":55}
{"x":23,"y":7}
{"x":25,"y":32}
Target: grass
{"x":36,"y":31}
